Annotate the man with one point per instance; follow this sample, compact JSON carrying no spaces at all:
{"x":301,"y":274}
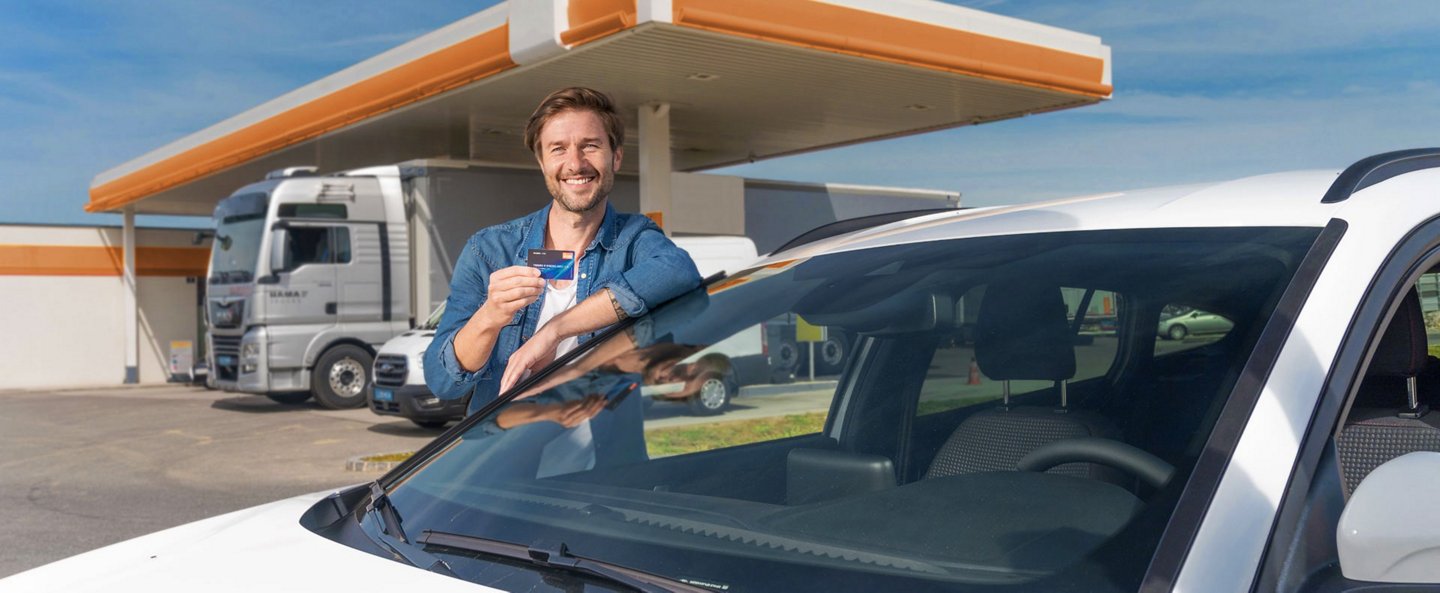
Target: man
{"x":502,"y":321}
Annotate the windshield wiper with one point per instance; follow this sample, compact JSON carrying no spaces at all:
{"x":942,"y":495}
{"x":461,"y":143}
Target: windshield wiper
{"x":380,"y":505}
{"x":555,"y":555}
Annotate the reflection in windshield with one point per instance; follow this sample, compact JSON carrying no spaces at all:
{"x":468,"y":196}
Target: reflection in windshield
{"x":901,"y":467}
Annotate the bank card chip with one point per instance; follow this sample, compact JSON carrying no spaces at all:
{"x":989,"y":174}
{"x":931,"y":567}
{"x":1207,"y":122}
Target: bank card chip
{"x":554,"y":264}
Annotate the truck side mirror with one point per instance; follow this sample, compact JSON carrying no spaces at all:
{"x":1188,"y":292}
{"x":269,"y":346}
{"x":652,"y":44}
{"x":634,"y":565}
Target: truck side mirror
{"x":278,"y":247}
{"x":1385,"y":535}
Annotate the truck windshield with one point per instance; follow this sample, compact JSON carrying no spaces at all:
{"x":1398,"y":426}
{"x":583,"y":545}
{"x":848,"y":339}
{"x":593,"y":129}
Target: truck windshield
{"x":239,"y":228}
{"x":946,"y":441}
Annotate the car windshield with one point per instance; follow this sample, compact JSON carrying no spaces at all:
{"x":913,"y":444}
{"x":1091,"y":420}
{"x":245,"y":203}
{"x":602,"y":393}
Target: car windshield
{"x":239,"y":227}
{"x":967,"y":414}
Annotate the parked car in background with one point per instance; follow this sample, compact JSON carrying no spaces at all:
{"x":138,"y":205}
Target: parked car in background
{"x":399,"y":379}
{"x":1297,"y":453}
{"x":1193,"y":323}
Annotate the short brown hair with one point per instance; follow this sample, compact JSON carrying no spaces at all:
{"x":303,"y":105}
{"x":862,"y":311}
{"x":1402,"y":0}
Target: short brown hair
{"x":576,"y":98}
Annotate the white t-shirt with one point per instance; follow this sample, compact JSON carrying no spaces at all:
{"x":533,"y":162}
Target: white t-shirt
{"x":574,"y":449}
{"x":557,"y":301}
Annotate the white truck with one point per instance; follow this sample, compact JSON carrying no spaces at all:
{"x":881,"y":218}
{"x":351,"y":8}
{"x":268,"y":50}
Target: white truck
{"x":310,"y":274}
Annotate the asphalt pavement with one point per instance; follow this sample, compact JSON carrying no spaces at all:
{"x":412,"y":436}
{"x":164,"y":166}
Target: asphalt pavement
{"x":83,"y":469}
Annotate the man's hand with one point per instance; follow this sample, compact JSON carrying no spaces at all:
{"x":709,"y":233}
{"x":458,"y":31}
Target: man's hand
{"x":568,"y":414}
{"x":571,"y":414}
{"x":534,"y":354}
{"x":510,"y":290}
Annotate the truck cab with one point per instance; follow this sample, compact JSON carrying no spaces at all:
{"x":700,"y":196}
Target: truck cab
{"x":307,"y":276}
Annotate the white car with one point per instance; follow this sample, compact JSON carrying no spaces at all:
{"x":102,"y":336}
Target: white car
{"x":1294,"y":454}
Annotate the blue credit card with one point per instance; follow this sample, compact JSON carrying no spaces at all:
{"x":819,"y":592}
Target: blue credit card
{"x":554,"y":264}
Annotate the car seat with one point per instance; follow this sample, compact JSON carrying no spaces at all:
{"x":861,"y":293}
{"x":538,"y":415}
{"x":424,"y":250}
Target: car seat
{"x":1387,"y":419}
{"x":1022,"y":333}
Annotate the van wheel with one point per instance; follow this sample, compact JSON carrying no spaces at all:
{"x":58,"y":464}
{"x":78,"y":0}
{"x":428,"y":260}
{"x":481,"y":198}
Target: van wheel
{"x":290,"y":399}
{"x":713,"y":397}
{"x":342,"y":377}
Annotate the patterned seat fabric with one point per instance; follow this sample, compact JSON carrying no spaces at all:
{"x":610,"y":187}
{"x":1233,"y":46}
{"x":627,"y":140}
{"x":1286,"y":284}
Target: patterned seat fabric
{"x":995,"y":440}
{"x":1378,"y":428}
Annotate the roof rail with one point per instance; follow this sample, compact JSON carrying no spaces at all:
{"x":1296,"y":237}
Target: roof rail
{"x":1374,"y":169}
{"x":841,"y":227}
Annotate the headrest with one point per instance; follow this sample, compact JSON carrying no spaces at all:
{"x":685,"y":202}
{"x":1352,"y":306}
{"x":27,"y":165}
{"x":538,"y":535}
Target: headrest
{"x":1402,"y":350}
{"x":1022,"y":334}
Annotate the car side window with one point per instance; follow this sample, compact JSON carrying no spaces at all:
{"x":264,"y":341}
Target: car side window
{"x":1429,"y":288}
{"x":956,"y":380}
{"x":1184,"y":327}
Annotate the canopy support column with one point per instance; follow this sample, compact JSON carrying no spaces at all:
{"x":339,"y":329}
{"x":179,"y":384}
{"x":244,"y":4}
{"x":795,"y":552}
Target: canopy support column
{"x":131,"y":310}
{"x":655,"y":165}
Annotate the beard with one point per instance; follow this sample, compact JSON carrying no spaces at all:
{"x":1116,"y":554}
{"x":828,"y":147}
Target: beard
{"x":579,"y":203}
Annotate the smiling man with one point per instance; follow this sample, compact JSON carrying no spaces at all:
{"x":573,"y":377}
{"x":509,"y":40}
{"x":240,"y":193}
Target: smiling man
{"x":502,"y":319}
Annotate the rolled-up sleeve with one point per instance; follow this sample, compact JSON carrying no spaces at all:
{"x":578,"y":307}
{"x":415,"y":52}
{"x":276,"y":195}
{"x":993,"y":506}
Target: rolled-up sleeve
{"x":443,"y":373}
{"x":661,"y":272}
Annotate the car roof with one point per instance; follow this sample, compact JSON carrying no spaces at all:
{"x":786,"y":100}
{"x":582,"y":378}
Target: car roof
{"x":1289,"y":199}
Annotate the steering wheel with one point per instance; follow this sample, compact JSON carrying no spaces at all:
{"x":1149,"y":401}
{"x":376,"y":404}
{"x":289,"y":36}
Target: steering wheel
{"x":1151,"y":470}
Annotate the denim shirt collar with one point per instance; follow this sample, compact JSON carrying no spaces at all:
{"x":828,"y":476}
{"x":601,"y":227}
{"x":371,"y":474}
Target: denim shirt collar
{"x":533,"y":230}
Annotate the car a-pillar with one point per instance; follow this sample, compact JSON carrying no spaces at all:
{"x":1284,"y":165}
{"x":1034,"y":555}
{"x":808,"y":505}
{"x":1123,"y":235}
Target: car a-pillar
{"x":341,"y":377}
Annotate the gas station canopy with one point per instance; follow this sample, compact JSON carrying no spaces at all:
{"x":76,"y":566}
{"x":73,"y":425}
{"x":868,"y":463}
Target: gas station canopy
{"x":701,"y":84}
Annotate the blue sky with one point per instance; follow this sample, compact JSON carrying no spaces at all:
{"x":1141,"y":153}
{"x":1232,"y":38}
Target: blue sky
{"x":1204,"y":91}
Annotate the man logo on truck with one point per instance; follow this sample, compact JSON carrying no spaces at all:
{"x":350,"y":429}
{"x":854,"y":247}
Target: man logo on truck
{"x":502,"y":320}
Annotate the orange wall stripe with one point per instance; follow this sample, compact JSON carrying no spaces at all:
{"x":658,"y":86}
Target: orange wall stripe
{"x":465,"y":62}
{"x":593,"y":19}
{"x":859,"y":33}
{"x":64,"y":260}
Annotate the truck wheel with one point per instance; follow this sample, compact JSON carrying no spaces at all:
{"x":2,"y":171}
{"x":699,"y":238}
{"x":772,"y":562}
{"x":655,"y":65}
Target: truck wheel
{"x":832,"y":353}
{"x":787,"y":357}
{"x":289,"y":399}
{"x":714,"y":395}
{"x":341,"y":377}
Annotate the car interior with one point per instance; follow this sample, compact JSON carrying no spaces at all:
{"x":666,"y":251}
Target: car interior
{"x":1059,"y":461}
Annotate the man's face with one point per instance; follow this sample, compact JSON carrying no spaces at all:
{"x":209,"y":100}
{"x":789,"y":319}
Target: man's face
{"x":578,"y":162}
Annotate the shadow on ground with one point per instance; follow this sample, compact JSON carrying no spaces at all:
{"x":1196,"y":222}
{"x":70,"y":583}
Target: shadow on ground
{"x":404,"y":428}
{"x":259,"y":404}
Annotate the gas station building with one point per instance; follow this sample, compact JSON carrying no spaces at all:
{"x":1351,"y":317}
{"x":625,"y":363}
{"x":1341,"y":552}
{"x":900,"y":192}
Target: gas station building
{"x":701,"y":84}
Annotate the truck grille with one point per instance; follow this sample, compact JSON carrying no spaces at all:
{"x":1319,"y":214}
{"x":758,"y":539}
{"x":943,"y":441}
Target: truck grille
{"x":226,"y":315}
{"x":229,"y":347}
{"x":390,"y":370}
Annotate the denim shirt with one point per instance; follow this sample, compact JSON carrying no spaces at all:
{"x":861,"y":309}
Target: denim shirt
{"x":630,"y":256}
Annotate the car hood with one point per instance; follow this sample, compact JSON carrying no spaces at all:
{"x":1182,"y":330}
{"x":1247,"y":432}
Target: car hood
{"x":258,"y":549}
